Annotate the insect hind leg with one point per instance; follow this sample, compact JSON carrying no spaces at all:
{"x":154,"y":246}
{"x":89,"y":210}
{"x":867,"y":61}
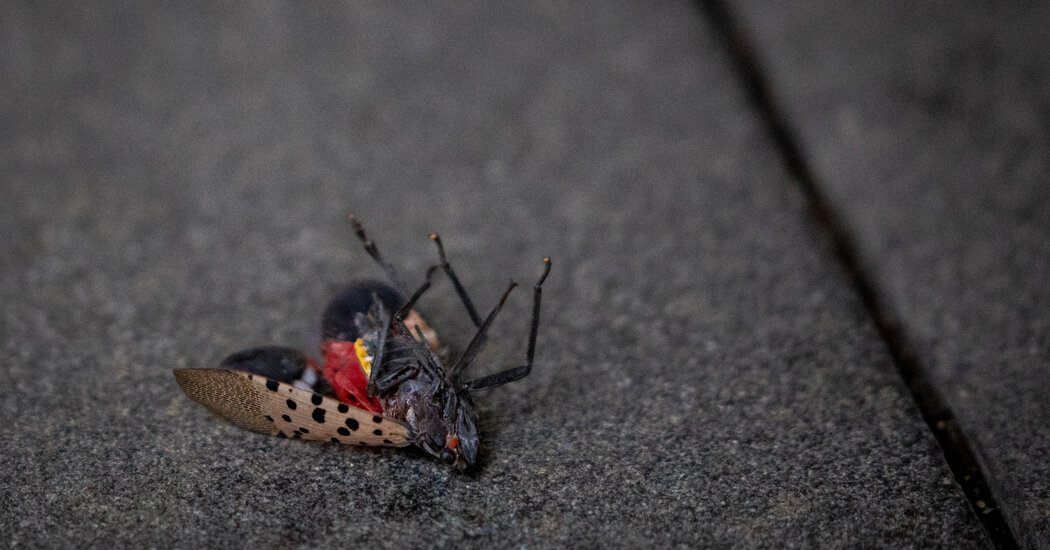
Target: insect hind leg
{"x":462,"y":292}
{"x":403,"y":311}
{"x":517,"y":373}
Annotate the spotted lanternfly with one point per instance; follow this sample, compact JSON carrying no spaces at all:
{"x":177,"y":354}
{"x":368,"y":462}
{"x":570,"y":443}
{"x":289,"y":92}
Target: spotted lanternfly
{"x":385,"y":380}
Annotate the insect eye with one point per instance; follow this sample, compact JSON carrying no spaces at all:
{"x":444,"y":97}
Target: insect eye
{"x":447,"y":456}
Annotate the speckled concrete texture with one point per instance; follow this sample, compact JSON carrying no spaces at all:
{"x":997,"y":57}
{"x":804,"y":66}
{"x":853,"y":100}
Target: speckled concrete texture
{"x":935,"y":144}
{"x":176,"y":181}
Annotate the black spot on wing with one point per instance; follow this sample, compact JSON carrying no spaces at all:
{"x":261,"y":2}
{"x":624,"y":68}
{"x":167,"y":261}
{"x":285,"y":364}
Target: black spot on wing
{"x":271,"y":385}
{"x":352,"y":424}
{"x":344,"y":408}
{"x":377,"y":431}
{"x":286,"y":418}
{"x":304,"y":430}
{"x":377,"y":419}
{"x":291,"y":404}
{"x":343,"y":431}
{"x":318,"y":415}
{"x":316,"y":399}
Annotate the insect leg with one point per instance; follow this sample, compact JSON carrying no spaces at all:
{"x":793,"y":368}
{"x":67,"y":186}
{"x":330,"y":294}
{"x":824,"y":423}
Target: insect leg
{"x":391,"y":379}
{"x":370,"y":248}
{"x":518,"y":373}
{"x":379,"y":366}
{"x":478,"y":342}
{"x":455,"y":282}
{"x":390,"y":366}
{"x":388,"y":373}
{"x":403,"y":311}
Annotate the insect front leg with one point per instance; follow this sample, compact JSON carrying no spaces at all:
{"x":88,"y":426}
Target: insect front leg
{"x":391,"y":379}
{"x":387,"y":372}
{"x":518,"y":373}
{"x":480,"y":338}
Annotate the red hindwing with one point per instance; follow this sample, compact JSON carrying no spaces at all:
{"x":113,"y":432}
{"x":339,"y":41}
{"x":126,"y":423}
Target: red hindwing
{"x":343,"y":370}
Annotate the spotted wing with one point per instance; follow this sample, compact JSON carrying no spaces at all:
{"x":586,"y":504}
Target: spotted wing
{"x":275,"y":408}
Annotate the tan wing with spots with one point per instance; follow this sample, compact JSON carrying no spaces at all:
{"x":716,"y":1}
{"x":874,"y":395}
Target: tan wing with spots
{"x":264,"y":405}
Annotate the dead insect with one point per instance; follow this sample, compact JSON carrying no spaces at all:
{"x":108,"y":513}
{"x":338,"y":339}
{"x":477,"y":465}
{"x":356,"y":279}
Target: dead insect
{"x":383,"y":381}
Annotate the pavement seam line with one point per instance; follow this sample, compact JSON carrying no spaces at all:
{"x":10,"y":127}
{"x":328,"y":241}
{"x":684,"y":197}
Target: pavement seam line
{"x":958,"y":452}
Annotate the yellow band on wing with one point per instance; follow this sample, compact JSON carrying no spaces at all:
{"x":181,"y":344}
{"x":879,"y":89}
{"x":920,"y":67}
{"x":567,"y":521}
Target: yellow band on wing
{"x":362,"y":357}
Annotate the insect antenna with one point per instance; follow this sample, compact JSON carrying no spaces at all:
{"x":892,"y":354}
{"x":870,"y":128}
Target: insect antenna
{"x":478,"y":342}
{"x":370,"y":248}
{"x":517,"y":373}
{"x":463,"y":296}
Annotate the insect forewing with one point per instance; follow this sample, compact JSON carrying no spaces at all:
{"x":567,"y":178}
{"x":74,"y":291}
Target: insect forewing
{"x":275,"y":408}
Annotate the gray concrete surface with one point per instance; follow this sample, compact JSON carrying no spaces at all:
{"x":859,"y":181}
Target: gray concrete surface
{"x":176,"y":181}
{"x":928,"y":128}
